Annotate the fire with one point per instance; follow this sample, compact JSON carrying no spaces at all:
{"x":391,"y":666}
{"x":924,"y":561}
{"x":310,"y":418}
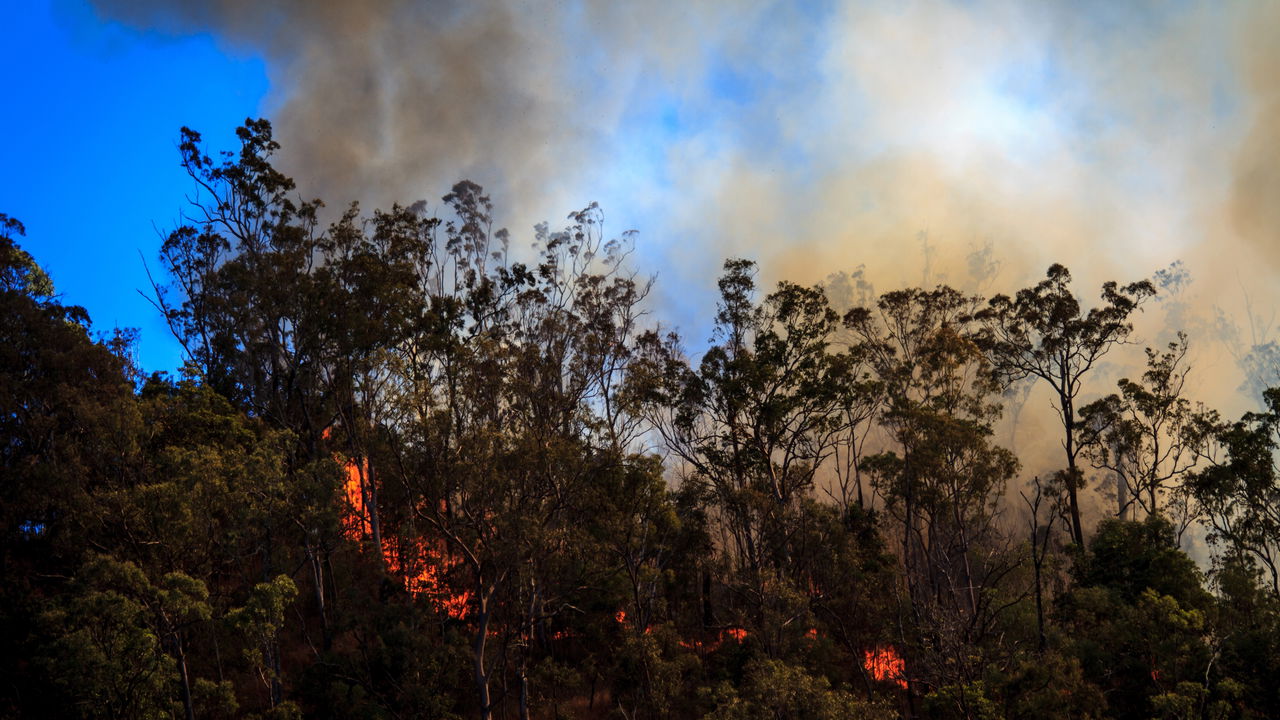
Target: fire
{"x":420,"y":563}
{"x":356,"y":523}
{"x":885,"y":665}
{"x":738,"y":634}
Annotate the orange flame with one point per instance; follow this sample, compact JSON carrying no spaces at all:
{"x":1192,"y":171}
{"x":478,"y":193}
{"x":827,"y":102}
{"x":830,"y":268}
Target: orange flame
{"x":422,"y":567}
{"x":885,"y":665}
{"x":421,"y":564}
{"x":356,"y":523}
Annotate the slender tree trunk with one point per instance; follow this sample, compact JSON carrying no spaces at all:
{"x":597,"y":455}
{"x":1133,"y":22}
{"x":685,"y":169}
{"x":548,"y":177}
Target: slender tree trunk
{"x":524,"y":688}
{"x":371,"y":507}
{"x":317,"y":578}
{"x":277,"y":690}
{"x":1122,"y":497}
{"x":857,"y":479}
{"x":187,"y":705}
{"x":1037,"y":557}
{"x":534,"y":611}
{"x":708,"y":617}
{"x":908,"y":532}
{"x":1073,"y":473}
{"x":477,"y":650}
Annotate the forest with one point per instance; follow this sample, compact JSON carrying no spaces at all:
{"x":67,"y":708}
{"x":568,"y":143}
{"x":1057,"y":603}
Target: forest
{"x":415,"y":467}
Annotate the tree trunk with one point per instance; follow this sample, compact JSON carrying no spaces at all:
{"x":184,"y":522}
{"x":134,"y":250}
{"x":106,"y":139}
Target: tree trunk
{"x":477,"y":650}
{"x":1073,"y":473}
{"x":317,"y":579}
{"x":187,"y":705}
{"x":1122,"y":497}
{"x":1037,"y":557}
{"x":371,"y":506}
{"x":277,"y":690}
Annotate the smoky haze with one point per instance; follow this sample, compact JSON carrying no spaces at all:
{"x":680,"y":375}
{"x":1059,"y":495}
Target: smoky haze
{"x":972,"y":143}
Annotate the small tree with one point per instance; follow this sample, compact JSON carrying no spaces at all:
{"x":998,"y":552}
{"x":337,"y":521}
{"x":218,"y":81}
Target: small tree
{"x":1239,"y":492}
{"x":1146,"y":436}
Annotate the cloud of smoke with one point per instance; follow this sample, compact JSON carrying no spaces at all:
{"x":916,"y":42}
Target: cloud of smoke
{"x":1255,"y":202}
{"x":900,"y":135}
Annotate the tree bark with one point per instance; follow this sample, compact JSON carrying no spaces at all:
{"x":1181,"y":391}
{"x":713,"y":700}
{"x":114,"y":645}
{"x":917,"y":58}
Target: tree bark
{"x":477,"y":649}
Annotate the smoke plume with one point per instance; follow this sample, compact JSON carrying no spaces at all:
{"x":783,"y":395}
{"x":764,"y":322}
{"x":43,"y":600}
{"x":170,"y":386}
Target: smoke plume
{"x":920,"y":139}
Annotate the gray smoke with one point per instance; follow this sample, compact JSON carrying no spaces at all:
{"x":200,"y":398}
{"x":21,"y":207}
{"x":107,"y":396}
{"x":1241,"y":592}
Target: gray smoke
{"x":1112,"y":137}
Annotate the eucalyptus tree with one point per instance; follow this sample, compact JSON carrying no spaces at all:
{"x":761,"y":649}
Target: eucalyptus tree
{"x":1238,"y":488}
{"x":754,"y":420}
{"x":1043,"y":332}
{"x":1146,"y":435}
{"x":507,"y":412}
{"x":941,"y":476}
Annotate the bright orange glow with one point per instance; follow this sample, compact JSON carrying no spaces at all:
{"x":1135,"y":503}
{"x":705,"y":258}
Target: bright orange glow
{"x":356,"y":524}
{"x":421,"y":564}
{"x":738,"y":634}
{"x":885,"y":666}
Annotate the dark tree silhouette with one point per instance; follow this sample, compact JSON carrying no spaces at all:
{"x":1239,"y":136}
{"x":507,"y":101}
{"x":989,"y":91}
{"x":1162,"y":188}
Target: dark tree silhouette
{"x":1043,"y":332}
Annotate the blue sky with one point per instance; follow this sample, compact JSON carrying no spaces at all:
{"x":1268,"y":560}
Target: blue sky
{"x":88,"y":149}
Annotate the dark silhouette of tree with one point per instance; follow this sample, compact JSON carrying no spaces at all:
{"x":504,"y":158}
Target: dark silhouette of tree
{"x":755,"y":420}
{"x":941,"y":478}
{"x":1146,"y":436}
{"x":1238,"y":489}
{"x":1043,"y":332}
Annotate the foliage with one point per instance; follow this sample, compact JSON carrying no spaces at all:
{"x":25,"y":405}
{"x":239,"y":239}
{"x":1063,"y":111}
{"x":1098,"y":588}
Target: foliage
{"x":411,"y":471}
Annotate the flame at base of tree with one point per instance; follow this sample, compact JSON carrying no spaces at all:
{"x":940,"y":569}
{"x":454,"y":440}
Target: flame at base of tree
{"x":420,"y":563}
{"x":422,"y":566}
{"x":885,"y":665}
{"x":356,"y":523}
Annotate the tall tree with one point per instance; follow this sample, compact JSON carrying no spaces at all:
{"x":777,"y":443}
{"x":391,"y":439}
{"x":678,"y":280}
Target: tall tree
{"x":754,"y":420}
{"x":941,"y":476}
{"x":1043,"y":332}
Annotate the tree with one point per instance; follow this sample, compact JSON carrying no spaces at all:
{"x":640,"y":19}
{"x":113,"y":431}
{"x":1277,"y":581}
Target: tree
{"x":1239,"y":487}
{"x":1138,"y":619}
{"x":19,"y":272}
{"x":754,"y":421}
{"x":264,"y":303}
{"x":507,"y":414}
{"x":941,"y":477}
{"x":1043,"y":332}
{"x":1146,"y":436}
{"x":68,"y":427}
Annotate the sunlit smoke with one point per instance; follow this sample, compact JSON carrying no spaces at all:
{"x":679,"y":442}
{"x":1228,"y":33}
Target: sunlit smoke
{"x":913,"y":139}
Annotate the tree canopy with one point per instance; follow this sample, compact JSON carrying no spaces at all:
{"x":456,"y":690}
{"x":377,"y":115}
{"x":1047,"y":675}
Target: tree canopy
{"x":415,"y":468}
